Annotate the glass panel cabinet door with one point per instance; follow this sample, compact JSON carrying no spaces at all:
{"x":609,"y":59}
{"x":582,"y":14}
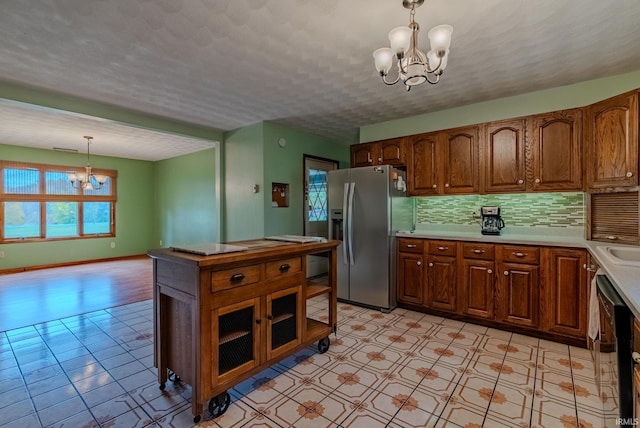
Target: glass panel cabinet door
{"x":236,"y":338}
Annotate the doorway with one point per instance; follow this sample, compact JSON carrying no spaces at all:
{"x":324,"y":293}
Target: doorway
{"x":315,"y":203}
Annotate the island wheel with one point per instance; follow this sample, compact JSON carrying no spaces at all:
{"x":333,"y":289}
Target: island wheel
{"x":219,"y":404}
{"x":323,"y":345}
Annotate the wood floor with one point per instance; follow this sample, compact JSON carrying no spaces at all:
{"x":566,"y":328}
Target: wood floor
{"x":32,"y":297}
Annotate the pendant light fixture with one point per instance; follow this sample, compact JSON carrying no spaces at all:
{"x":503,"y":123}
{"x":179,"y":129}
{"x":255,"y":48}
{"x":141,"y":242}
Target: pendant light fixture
{"x":87,"y":180}
{"x":414,"y":66}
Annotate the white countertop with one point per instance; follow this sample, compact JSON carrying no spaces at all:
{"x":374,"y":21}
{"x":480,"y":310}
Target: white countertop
{"x":625,"y":279}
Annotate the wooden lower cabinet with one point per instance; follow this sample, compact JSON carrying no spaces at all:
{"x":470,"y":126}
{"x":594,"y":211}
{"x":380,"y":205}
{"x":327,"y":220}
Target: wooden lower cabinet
{"x":542,"y":291}
{"x":410,"y":278}
{"x":441,"y":283}
{"x":517,"y":294}
{"x":476,"y":285}
{"x":565,"y":296}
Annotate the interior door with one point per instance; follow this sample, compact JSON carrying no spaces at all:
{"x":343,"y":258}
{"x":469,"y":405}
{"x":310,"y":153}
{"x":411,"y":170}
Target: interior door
{"x":316,"y":218}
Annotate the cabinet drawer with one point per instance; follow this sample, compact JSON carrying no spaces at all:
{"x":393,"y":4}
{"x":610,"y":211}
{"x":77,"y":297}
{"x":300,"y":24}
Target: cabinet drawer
{"x":283,"y":267}
{"x":410,"y":245}
{"x":518,"y":254}
{"x":478,"y":251}
{"x":442,"y":248}
{"x":229,"y":278}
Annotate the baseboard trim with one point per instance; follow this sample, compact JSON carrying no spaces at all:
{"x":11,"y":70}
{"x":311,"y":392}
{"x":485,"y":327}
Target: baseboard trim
{"x":74,"y":263}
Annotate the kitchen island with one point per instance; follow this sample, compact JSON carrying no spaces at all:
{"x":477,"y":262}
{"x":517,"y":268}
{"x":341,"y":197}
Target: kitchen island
{"x":219,"y":319}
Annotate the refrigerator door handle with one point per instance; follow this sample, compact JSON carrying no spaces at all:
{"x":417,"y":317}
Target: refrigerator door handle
{"x":345,"y":237}
{"x":350,"y":221}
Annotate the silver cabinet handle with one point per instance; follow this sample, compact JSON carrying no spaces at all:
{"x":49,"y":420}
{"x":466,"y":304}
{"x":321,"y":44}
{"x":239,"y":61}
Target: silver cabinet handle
{"x":443,"y":248}
{"x":430,"y":264}
{"x":446,"y":184}
{"x":369,"y":160}
{"x":379,"y":159}
{"x":520,"y":181}
{"x":434,"y":186}
{"x":419,"y":263}
{"x":411,"y":246}
{"x":519,"y":254}
{"x":476,"y":251}
{"x":489,"y":271}
{"x":612,"y":238}
{"x":506,"y":273}
{"x":629,"y":174}
{"x":537,"y":180}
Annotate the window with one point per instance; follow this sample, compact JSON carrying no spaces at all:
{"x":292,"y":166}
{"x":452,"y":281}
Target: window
{"x":38,"y":202}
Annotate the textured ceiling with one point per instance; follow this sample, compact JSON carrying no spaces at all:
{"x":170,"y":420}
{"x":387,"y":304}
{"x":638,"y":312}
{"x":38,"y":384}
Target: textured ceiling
{"x":305,"y":64}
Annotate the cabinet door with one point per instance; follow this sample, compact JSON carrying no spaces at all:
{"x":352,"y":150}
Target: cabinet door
{"x":477,"y":282}
{"x":236,"y":341}
{"x":460,"y":160}
{"x":504,"y":156}
{"x":284,"y":321}
{"x":556,"y":145}
{"x":611,"y":135}
{"x":517,"y":299}
{"x":565,"y":291}
{"x":365,"y":154}
{"x":422,"y":172}
{"x":392,"y":152}
{"x":410,"y":278}
{"x":441,"y":283}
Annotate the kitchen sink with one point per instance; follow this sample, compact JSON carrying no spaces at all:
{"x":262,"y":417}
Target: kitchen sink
{"x":621,"y":255}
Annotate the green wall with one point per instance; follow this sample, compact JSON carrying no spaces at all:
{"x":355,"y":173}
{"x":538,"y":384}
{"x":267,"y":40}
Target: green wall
{"x":253,"y":156}
{"x":187,"y":199}
{"x":244,"y":213}
{"x":134,"y":212}
{"x":576,"y":95}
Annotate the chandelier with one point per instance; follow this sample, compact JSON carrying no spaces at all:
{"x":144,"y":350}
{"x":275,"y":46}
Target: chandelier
{"x":87,"y":180}
{"x":414,"y":67}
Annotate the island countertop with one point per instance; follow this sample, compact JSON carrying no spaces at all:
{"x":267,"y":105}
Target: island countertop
{"x":257,"y":250}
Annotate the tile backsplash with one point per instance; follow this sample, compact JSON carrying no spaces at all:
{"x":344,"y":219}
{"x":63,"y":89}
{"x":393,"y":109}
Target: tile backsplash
{"x":562,"y":209}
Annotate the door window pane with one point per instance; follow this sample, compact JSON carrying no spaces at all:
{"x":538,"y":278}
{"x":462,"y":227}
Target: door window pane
{"x":317,"y":195}
{"x":62,"y":219}
{"x":21,"y":220}
{"x":97,"y":217}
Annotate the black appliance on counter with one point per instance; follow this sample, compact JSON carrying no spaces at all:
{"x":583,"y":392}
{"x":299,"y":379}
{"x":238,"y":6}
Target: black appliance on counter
{"x":613,"y":360}
{"x":492,"y":223}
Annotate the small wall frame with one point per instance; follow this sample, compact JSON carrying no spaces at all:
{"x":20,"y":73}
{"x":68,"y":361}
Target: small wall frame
{"x":279,"y":195}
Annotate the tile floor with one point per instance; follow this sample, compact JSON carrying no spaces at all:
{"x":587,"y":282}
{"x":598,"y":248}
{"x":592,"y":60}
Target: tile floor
{"x":398,"y":370}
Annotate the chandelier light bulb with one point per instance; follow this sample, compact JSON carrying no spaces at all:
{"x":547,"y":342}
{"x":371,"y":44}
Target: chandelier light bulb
{"x":383,"y":59}
{"x":400,"y":39}
{"x":440,"y":38}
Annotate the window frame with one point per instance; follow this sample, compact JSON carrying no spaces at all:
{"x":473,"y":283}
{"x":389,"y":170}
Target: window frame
{"x":42,"y":198}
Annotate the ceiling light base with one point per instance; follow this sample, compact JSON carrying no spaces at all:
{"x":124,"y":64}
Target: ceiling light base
{"x":412,"y":4}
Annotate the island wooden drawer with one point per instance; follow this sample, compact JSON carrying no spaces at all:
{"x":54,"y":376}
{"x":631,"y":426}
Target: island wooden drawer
{"x":472,"y":250}
{"x":410,"y":245}
{"x":230,"y":278}
{"x":520,"y":254}
{"x":442,"y":248}
{"x":284,"y":267}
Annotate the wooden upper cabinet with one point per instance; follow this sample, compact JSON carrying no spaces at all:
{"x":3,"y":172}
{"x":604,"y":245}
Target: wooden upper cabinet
{"x":365,"y":154}
{"x":611,"y":136}
{"x":385,"y":152}
{"x":423,"y":170}
{"x":460,"y":160}
{"x":504,"y":156}
{"x":556,"y":146}
{"x":392,"y":152}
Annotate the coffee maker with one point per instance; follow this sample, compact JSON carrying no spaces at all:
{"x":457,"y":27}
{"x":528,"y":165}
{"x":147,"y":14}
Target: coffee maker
{"x":492,"y":223}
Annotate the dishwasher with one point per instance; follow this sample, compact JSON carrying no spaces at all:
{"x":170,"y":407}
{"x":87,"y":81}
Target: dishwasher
{"x":613,"y":361}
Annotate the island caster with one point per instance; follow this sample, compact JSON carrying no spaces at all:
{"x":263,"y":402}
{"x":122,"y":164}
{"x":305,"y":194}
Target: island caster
{"x":174,"y":377}
{"x":323,"y":345}
{"x":196,"y":419}
{"x":219,"y":404}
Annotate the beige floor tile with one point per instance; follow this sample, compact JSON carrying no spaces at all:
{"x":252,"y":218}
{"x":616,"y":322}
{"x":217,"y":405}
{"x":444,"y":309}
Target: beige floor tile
{"x":512,"y":403}
{"x":363,"y":418}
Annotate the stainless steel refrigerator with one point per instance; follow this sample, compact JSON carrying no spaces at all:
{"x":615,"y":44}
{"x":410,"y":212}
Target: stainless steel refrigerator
{"x":367,"y":206}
